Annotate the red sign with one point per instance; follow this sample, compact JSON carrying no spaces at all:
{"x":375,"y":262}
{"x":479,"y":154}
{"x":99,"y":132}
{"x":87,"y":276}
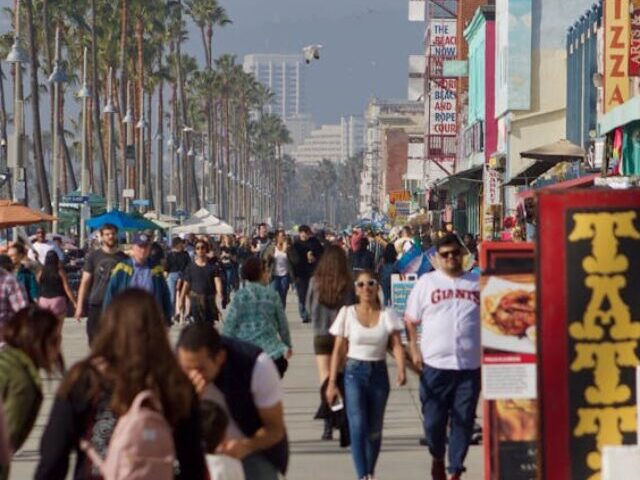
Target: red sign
{"x":588,"y":336}
{"x":634,"y":48}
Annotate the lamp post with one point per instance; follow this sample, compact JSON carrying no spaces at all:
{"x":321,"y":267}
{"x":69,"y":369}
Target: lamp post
{"x":84,"y":94}
{"x":141,"y":126}
{"x":128,"y":121}
{"x":17,"y":56}
{"x":110,"y":110}
{"x":57,"y":77}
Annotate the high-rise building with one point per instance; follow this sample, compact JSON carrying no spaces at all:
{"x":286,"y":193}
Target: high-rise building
{"x":352,"y":136}
{"x":284,"y":75}
{"x":300,"y":127}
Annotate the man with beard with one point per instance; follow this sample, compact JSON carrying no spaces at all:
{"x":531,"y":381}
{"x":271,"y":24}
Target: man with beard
{"x":96,"y":273}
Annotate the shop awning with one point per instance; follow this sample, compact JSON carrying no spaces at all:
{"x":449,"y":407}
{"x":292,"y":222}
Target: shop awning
{"x":584,"y":181}
{"x":473,"y":174}
{"x":530,"y":173}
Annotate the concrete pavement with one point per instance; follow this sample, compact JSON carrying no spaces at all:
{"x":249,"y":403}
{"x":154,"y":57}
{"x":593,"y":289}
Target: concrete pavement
{"x":311,"y":459}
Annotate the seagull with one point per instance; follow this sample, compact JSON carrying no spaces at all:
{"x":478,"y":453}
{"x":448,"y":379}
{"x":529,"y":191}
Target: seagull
{"x":310,"y":52}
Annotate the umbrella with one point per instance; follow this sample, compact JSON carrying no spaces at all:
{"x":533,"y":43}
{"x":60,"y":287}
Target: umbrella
{"x":123,"y":221}
{"x":13,"y":214}
{"x":203,"y":222}
{"x":560,"y":151}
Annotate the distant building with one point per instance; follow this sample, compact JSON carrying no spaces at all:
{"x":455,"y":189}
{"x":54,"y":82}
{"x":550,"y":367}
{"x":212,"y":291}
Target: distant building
{"x":352,"y":135}
{"x":284,"y":75}
{"x":300,"y":127}
{"x":324,"y":142}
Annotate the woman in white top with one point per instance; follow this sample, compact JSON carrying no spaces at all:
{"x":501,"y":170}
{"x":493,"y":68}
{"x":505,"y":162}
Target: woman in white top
{"x":277,"y":255}
{"x":363,"y":332}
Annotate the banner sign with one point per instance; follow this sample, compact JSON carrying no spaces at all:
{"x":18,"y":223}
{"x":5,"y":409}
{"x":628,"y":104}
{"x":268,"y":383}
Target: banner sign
{"x":442,"y":39}
{"x":634,"y":49}
{"x":443,"y":106}
{"x":589,"y":327}
{"x":616,"y":57}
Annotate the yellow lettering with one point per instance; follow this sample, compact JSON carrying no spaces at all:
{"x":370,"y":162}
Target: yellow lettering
{"x":605,"y":359}
{"x":602,"y":229}
{"x":607,"y":424}
{"x":606,"y":288}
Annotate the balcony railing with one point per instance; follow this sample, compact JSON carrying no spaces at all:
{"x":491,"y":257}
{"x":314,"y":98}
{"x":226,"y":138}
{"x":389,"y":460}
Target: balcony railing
{"x":473,"y":139}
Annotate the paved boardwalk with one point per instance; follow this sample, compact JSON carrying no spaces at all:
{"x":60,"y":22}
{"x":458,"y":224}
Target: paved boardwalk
{"x":311,"y":459}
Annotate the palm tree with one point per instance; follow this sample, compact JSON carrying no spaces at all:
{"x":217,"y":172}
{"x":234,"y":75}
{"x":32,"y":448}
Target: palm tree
{"x":38,"y":155}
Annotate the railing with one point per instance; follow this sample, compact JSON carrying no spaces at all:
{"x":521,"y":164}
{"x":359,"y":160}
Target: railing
{"x":473,"y":139}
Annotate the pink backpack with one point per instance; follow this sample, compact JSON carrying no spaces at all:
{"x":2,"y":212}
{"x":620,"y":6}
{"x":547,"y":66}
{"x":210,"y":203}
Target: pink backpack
{"x":141,"y":447}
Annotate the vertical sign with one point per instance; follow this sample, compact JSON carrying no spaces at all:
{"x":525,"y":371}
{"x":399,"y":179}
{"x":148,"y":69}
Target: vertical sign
{"x":634,"y":49}
{"x":442,"y":115}
{"x":616,"y":58}
{"x":589,"y":327}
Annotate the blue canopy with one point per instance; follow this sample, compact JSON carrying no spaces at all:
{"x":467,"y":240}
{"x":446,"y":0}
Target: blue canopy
{"x":124,"y":221}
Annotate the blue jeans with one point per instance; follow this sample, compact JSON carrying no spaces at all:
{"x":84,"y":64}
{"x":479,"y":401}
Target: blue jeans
{"x":172,"y":282}
{"x":257,"y":467}
{"x":444,"y":394}
{"x":366,"y":390}
{"x":281,"y":285}
{"x":302,"y":285}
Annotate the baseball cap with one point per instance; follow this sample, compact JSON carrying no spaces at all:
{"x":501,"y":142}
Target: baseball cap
{"x":141,"y":239}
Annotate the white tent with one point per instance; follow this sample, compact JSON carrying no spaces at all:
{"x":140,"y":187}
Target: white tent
{"x":163,"y":221}
{"x":204,"y":222}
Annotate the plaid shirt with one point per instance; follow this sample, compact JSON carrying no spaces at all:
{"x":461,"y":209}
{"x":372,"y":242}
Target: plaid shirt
{"x":12,"y":296}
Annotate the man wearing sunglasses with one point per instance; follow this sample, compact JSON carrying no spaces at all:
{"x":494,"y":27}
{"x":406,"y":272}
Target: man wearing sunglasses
{"x":446,"y":303}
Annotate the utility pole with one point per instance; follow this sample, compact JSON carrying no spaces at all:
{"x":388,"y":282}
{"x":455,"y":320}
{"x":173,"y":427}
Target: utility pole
{"x":110,"y":111}
{"x":84,"y":94}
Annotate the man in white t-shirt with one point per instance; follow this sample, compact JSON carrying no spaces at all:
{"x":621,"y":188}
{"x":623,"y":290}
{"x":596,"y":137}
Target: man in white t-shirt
{"x":446,"y":303}
{"x":244,"y":381}
{"x":41,"y":246}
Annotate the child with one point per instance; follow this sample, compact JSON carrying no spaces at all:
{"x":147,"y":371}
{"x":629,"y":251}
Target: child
{"x":214,"y":426}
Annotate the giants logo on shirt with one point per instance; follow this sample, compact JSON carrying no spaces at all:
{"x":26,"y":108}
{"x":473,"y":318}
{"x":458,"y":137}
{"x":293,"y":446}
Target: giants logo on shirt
{"x":455,"y":294}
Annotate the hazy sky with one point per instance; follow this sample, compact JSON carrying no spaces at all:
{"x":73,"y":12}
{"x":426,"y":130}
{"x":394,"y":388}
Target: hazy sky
{"x":366,"y":46}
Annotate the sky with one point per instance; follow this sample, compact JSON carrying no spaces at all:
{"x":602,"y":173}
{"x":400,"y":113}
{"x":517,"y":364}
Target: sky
{"x":366,"y":44}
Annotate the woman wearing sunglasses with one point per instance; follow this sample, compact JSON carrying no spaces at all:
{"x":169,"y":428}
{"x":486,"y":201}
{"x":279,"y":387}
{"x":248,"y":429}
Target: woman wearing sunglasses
{"x":363,"y":332}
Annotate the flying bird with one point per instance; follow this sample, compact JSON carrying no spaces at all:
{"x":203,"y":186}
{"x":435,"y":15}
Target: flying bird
{"x":310,"y":52}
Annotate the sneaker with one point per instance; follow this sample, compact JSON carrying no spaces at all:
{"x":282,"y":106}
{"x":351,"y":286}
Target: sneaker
{"x":437,"y":470}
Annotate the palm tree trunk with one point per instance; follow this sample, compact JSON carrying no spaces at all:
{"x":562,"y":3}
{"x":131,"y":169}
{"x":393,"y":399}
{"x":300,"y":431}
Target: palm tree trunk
{"x":97,"y":124}
{"x":124,"y":32}
{"x":3,"y":133}
{"x":41,"y":171}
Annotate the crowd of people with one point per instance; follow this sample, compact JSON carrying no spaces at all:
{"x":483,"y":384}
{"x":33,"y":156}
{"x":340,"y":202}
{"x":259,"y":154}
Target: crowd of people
{"x":220,"y":392}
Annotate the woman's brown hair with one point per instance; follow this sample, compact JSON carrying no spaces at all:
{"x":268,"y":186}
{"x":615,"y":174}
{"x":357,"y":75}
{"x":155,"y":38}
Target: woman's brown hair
{"x":131,"y":353}
{"x":35,"y":331}
{"x":332,"y":277}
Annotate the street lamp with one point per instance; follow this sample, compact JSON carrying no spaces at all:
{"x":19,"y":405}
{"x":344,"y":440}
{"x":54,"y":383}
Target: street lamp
{"x":57,"y":77}
{"x":84,"y":94}
{"x":17,"y":56}
{"x":110,"y":110}
{"x":141,"y":126}
{"x":128,"y":122}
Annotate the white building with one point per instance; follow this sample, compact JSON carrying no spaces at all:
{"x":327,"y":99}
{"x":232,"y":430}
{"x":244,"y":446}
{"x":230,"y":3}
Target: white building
{"x":284,"y":75}
{"x":352,"y":136}
{"x":324,"y":142}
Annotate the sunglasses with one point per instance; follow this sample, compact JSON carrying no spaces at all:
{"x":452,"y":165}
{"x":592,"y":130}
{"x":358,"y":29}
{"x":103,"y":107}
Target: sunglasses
{"x":369,"y":283}
{"x":450,"y":253}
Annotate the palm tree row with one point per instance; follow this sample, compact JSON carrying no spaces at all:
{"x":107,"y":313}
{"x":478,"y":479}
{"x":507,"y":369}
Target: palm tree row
{"x":223,"y":149}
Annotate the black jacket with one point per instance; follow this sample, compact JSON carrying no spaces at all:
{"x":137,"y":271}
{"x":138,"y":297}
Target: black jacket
{"x":301,"y":266}
{"x":76,"y":417}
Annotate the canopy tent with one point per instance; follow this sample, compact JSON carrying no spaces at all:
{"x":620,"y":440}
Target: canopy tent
{"x":204,"y":222}
{"x":162,"y":220}
{"x":124,"y":221}
{"x":13,"y":214}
